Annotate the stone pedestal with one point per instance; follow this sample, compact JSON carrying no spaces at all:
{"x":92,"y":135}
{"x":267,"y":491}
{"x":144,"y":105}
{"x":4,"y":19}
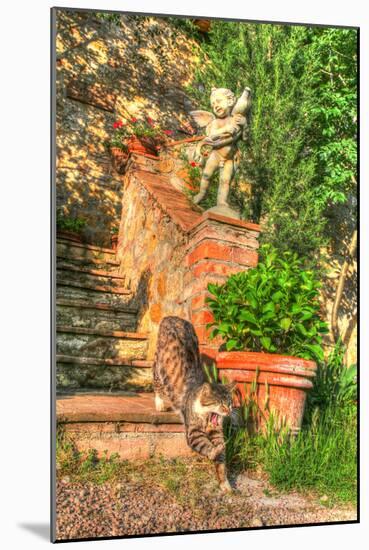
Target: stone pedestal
{"x":218,"y":247}
{"x":223,"y":210}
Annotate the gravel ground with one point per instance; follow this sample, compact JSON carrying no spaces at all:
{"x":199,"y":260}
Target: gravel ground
{"x":139,"y":507}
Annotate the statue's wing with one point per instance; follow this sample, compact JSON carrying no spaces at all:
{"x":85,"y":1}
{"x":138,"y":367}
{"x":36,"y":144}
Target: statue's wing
{"x":202,"y":118}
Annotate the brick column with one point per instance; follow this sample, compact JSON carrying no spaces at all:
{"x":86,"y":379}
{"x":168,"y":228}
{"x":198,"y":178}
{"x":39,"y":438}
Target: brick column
{"x":218,"y":247}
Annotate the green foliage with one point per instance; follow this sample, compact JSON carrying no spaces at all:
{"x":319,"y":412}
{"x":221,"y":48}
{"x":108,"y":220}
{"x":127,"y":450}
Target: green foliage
{"x":335,"y":385}
{"x":185,"y":25}
{"x":117,"y":140}
{"x":69,"y":223}
{"x":194,"y":173}
{"x":323,"y":456}
{"x":332,"y":111}
{"x":109,"y":17}
{"x":211,"y":373}
{"x":328,"y":439}
{"x":142,"y":129}
{"x":273,"y":307}
{"x":300,"y":151}
{"x":85,"y":466}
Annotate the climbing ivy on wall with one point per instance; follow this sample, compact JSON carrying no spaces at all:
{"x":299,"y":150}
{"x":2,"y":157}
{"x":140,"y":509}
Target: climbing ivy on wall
{"x":300,"y":152}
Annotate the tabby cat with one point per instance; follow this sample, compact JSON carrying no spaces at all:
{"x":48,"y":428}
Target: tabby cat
{"x":178,"y":375}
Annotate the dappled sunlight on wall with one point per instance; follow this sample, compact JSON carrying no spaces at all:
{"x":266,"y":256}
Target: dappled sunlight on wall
{"x":108,"y":71}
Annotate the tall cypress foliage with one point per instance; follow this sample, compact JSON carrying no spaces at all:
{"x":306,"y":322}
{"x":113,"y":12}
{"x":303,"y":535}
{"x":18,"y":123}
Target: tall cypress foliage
{"x":299,"y":124}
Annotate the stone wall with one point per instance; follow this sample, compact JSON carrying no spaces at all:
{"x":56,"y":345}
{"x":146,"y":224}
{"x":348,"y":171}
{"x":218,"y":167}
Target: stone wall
{"x":108,"y":71}
{"x":151,"y":251}
{"x":169,"y":250}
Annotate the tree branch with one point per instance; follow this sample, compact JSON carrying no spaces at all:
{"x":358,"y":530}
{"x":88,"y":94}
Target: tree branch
{"x":341,"y":284}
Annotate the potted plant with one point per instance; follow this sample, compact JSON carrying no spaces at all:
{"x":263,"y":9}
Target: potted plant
{"x":114,"y":237}
{"x":69,"y":227}
{"x":202,"y":24}
{"x":136,"y":136}
{"x":269,"y":320}
{"x":117,"y":148}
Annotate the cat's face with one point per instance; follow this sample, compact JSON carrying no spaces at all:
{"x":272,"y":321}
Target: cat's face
{"x":216,"y":400}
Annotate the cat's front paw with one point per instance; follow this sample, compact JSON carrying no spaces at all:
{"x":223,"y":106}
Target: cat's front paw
{"x":159,"y":404}
{"x":225,"y":486}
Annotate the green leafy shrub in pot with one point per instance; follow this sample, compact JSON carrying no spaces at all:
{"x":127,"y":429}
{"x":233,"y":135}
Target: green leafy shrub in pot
{"x":273,"y":307}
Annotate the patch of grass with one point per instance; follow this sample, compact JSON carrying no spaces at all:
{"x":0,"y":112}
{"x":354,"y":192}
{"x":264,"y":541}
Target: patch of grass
{"x":84,"y":466}
{"x":323,"y":457}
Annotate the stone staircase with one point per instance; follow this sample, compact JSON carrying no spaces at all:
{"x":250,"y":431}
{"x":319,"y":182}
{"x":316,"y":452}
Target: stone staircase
{"x":101,"y":364}
{"x":98,"y":347}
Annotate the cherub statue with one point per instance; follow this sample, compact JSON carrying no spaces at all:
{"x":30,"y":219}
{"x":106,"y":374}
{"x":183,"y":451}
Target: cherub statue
{"x":223,"y":130}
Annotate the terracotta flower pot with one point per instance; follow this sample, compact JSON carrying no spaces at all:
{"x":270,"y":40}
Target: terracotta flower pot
{"x":281,"y":381}
{"x":119,"y":158}
{"x":68,"y":235}
{"x":203,"y":24}
{"x":143,"y":146}
{"x":114,"y":241}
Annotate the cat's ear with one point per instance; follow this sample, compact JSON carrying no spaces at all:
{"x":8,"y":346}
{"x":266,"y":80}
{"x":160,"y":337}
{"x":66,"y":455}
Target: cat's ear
{"x":206,"y":389}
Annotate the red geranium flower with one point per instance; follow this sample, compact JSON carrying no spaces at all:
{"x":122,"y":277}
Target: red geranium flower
{"x":115,"y":125}
{"x":150,"y":121}
{"x":193,"y":163}
{"x":118,"y":124}
{"x":133,"y":119}
{"x":168,"y":132}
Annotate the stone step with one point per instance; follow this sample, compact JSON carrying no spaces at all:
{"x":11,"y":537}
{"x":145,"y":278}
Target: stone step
{"x":88,"y":280}
{"x":107,"y":265}
{"x":109,"y":374}
{"x":83,"y":251}
{"x":87,"y":270}
{"x":106,"y":288}
{"x":124,"y":423}
{"x":100,"y":344}
{"x":79,"y":313}
{"x":93,"y":294}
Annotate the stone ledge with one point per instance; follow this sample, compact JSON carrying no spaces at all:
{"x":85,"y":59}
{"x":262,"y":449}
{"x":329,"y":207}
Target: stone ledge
{"x":84,"y":261}
{"x":87,"y":246}
{"x":228,"y":221}
{"x":133,"y":408}
{"x":108,"y":333}
{"x":174,"y":203}
{"x":88,"y":271}
{"x":72,"y":359}
{"x":96,"y":288}
{"x":91,"y":305}
{"x":137,"y":445}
